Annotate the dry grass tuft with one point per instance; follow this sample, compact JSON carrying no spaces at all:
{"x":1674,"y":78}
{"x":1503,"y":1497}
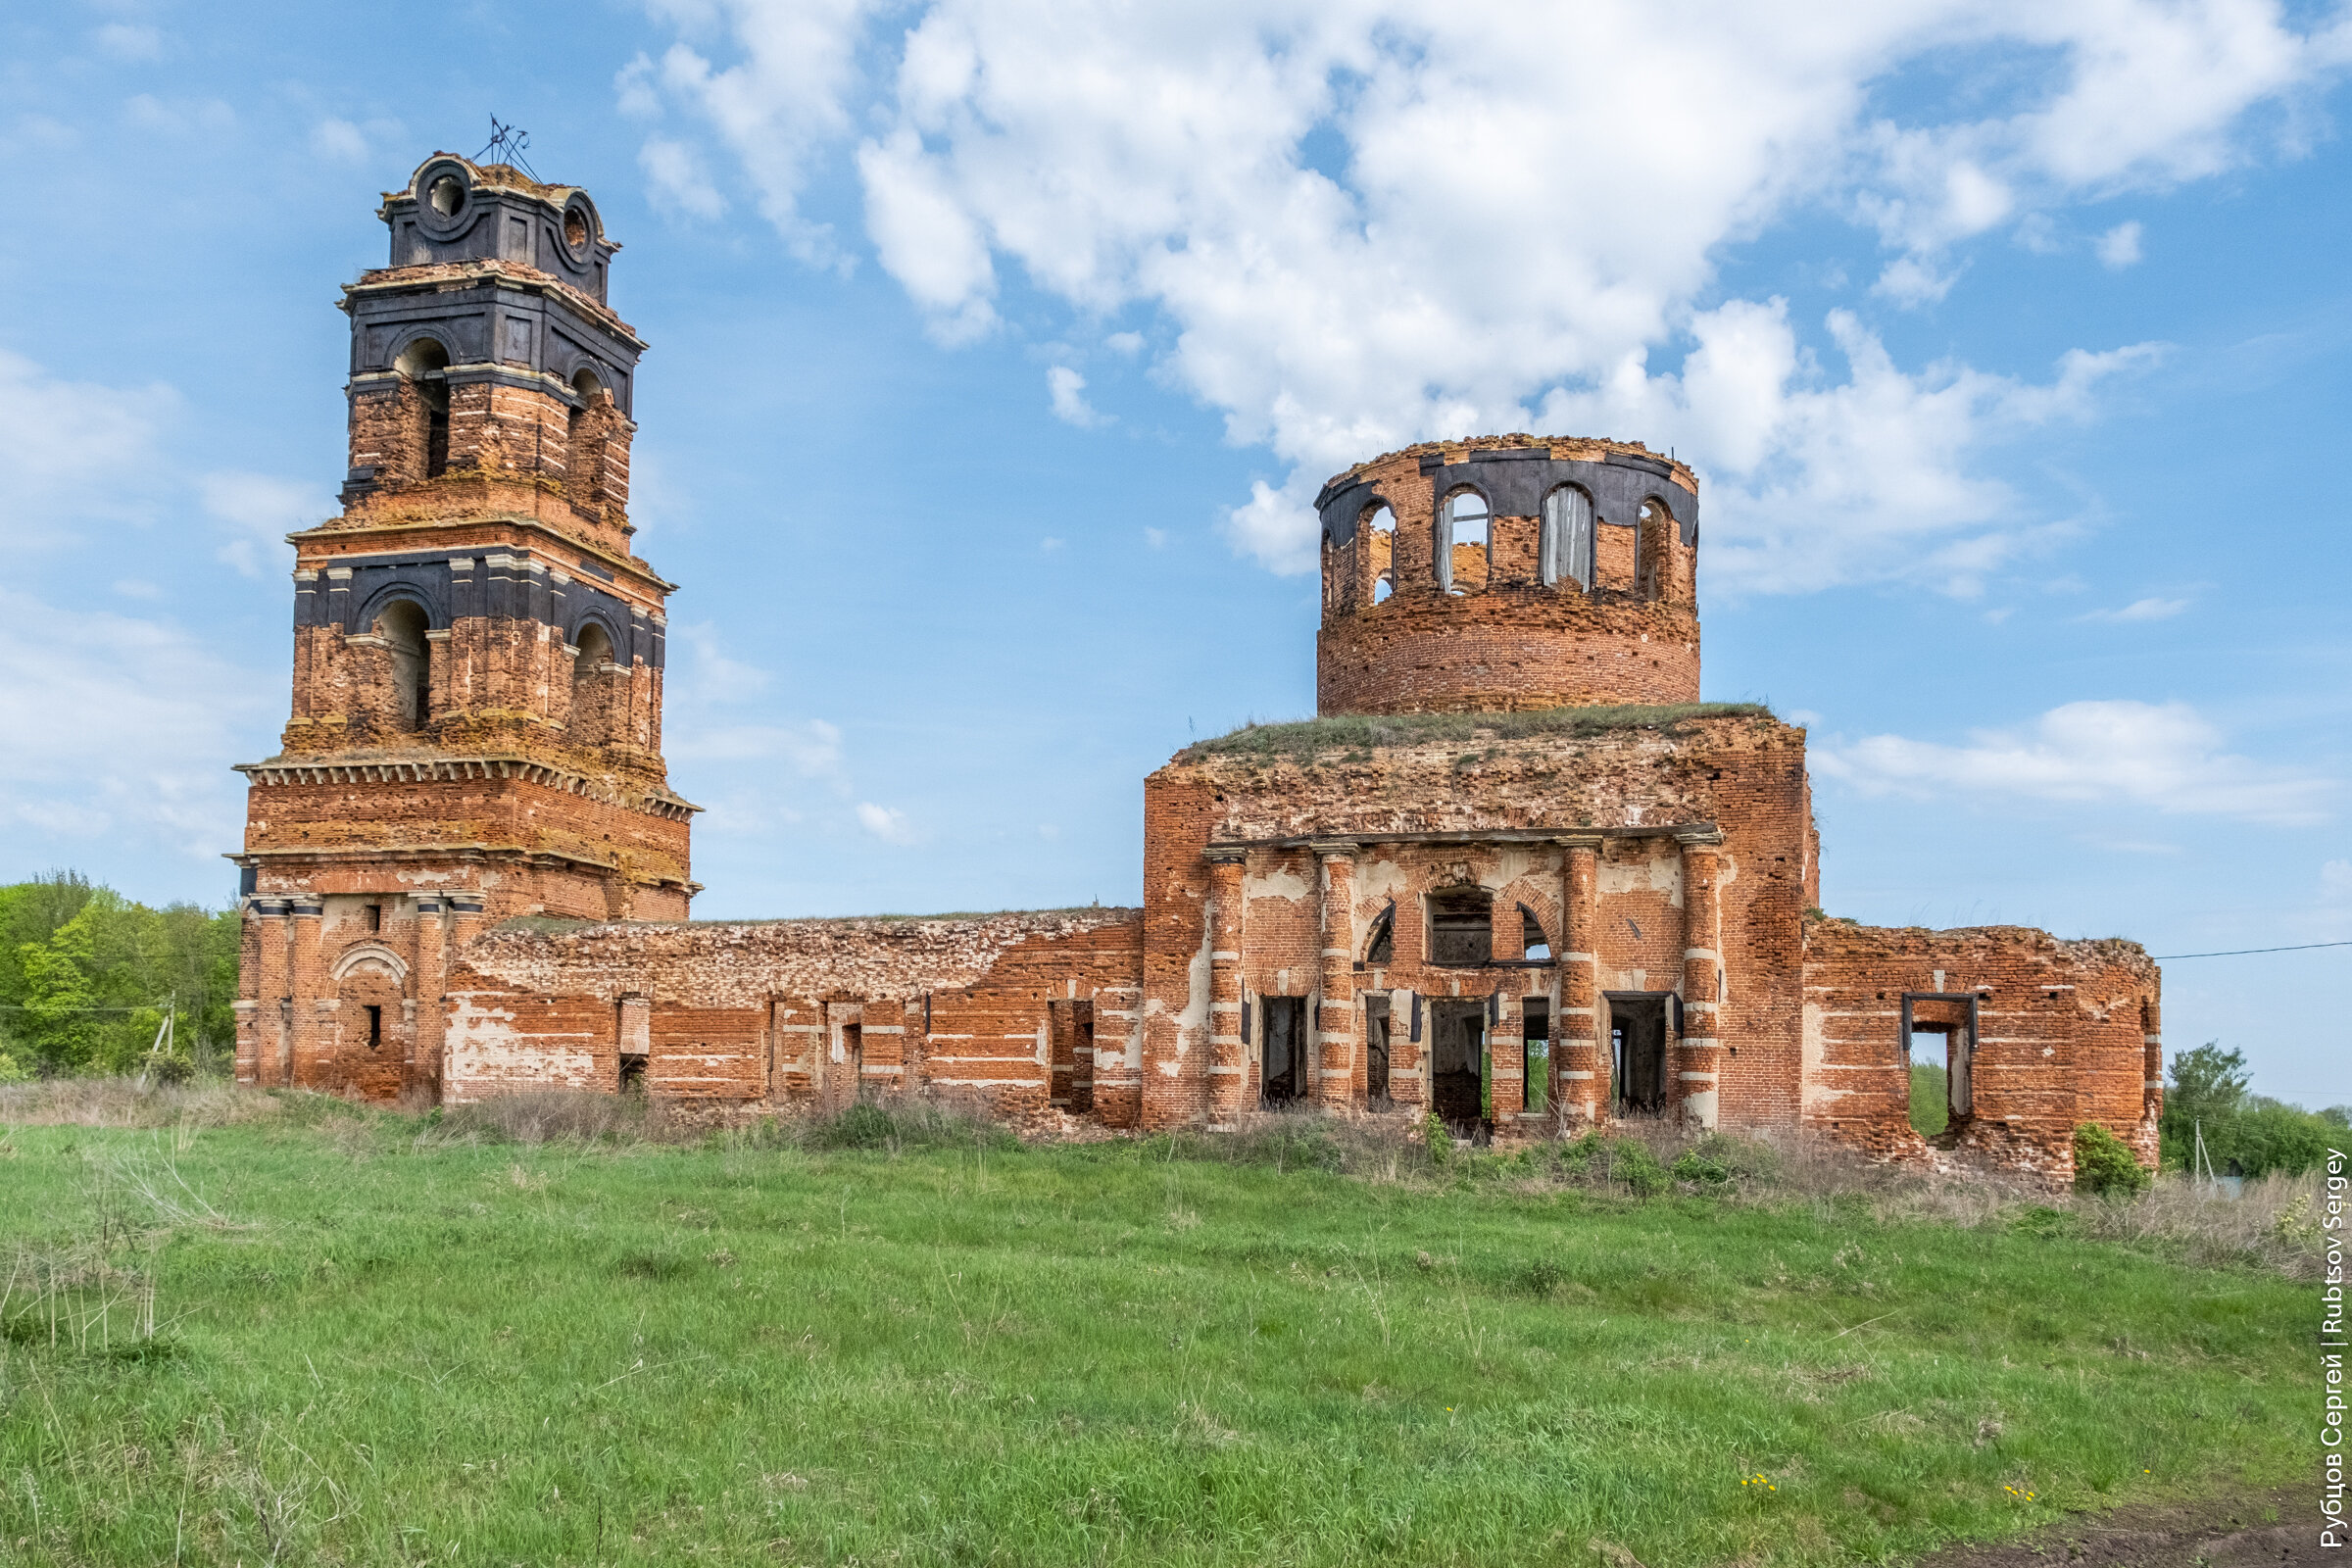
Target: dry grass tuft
{"x":127,"y":1102}
{"x":548,"y":1116}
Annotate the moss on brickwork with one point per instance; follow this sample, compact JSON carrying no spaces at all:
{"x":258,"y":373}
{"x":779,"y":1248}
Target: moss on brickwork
{"x":1305,"y":737}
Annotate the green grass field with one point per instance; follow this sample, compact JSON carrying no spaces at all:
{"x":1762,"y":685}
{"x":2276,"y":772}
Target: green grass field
{"x":377,"y":1347}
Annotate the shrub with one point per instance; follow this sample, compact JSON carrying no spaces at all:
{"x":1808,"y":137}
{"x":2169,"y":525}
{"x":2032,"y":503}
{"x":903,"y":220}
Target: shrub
{"x":864,"y":1125}
{"x":2105,"y":1166}
{"x":1637,"y":1168}
{"x":1441,"y":1142}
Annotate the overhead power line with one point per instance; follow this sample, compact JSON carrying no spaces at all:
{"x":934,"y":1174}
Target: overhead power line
{"x":2239,"y":952}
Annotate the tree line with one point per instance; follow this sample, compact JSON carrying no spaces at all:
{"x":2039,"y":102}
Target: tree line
{"x":86,"y":976}
{"x":2245,"y":1134}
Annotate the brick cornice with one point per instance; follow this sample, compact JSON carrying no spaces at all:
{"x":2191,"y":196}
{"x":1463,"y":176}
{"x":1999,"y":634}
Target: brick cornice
{"x":427,"y":769}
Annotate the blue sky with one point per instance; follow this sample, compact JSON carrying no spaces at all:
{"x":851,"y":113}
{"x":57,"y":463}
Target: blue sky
{"x":2013,"y":345}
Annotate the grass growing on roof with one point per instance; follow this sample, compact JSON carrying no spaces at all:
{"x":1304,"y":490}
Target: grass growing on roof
{"x":1305,"y":738}
{"x":383,"y":1343}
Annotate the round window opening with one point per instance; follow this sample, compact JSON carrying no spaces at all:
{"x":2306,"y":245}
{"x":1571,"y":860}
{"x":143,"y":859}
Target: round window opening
{"x":575,"y":229}
{"x":447,"y":195}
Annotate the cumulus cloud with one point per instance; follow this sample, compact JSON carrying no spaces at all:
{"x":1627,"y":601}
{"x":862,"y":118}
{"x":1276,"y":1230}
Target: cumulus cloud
{"x":123,"y":727}
{"x":1368,"y":225}
{"x":674,"y":172}
{"x":74,"y":454}
{"x":2119,"y":247}
{"x":261,"y":509}
{"x":885,"y":822}
{"x":126,"y":40}
{"x":1067,"y":389}
{"x":2164,"y":757}
{"x":2150,"y":608}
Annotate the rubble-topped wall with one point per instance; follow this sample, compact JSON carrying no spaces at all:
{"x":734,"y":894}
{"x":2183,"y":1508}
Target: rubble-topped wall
{"x":1562,"y":770}
{"x":2067,"y":1032}
{"x":799,"y":1011}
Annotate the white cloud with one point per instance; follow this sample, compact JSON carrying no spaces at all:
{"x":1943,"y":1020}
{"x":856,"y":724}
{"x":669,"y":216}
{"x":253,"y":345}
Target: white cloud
{"x":1156,"y":538}
{"x":2335,"y":881}
{"x":2141,"y":609}
{"x":1067,"y":389}
{"x":679,"y":184}
{"x":263,"y":510}
{"x":2119,"y":247}
{"x":74,"y":454}
{"x":338,"y":139}
{"x":1127,"y":343}
{"x":129,"y":41}
{"x":2160,"y":756}
{"x":122,"y":728}
{"x":811,"y":749}
{"x":885,"y":822}
{"x":1453,"y":267}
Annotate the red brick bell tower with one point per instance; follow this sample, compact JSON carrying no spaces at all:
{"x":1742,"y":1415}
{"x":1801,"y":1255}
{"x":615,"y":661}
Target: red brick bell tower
{"x":476,"y":725}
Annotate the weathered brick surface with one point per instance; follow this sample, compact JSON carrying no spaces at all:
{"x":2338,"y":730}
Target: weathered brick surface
{"x":1504,"y":640}
{"x":467,"y":875}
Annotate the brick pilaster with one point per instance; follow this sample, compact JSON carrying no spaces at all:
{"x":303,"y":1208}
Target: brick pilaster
{"x":1339,"y":1079}
{"x":429,"y":988}
{"x":1228,"y":1067}
{"x":1700,"y":1066}
{"x":1579,"y":1056}
{"x":307,"y":984}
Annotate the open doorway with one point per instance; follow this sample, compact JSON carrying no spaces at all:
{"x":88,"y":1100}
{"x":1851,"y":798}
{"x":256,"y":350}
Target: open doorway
{"x":1638,"y":1054}
{"x":1376,"y":1051}
{"x":1939,"y":1035}
{"x":1458,"y":1054}
{"x":1536,"y":1031}
{"x":1283,"y":1065}
{"x":1071,"y":1036}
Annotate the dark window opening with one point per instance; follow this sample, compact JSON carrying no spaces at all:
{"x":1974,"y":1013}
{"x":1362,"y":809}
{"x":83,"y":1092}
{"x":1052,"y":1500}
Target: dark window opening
{"x":1071,"y":1042}
{"x":1376,"y":1050}
{"x":436,"y":428}
{"x":1382,"y":949}
{"x":375,"y":1027}
{"x":1536,"y":1063}
{"x":1283,"y":1065}
{"x":401,"y":626}
{"x":373,"y":915}
{"x":1535,"y":946}
{"x":1457,"y":1057}
{"x":1461,"y":928}
{"x":1637,"y":1055}
{"x":632,"y":1073}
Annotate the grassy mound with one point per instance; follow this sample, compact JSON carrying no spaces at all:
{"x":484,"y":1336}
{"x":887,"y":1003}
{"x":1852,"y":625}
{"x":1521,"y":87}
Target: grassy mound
{"x":530,"y":1334}
{"x":1304,"y":739}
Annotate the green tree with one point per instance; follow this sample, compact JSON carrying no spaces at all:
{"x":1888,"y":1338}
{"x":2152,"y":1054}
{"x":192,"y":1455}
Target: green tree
{"x":86,"y":974}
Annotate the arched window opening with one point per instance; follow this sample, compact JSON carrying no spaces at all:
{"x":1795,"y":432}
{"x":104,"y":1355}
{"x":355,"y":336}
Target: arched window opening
{"x":402,"y":627}
{"x":1461,"y":928}
{"x":1382,"y":948}
{"x":1461,"y":543}
{"x":588,"y":684}
{"x":583,"y":449}
{"x":1565,"y":554}
{"x":1379,"y":546}
{"x":1535,"y":947}
{"x":1649,"y":550}
{"x":447,"y":195}
{"x":425,"y":362}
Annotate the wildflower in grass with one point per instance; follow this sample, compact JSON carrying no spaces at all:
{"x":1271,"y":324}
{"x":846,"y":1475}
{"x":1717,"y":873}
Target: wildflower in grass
{"x":1758,"y":1483}
{"x":2020,"y":1494}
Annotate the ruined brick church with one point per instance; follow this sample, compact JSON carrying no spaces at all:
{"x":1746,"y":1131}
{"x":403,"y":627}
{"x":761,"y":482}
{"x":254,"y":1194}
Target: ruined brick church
{"x":1515,"y":874}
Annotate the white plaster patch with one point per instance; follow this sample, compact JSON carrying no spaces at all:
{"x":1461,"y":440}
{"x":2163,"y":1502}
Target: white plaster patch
{"x":1661,"y":871}
{"x":1377,"y":881}
{"x":1283,"y":883}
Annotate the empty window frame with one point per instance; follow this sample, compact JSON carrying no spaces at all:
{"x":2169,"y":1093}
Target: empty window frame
{"x":426,"y":364}
{"x":1463,"y":536}
{"x":1381,"y":949}
{"x":1380,"y":541}
{"x":375,"y":1026}
{"x":1461,"y":928}
{"x":1283,"y":1061}
{"x":1565,"y":551}
{"x":1950,"y":1080}
{"x":401,"y":626}
{"x":588,"y":690}
{"x":1535,"y":946}
{"x":1376,"y":1050}
{"x":1535,"y":1032}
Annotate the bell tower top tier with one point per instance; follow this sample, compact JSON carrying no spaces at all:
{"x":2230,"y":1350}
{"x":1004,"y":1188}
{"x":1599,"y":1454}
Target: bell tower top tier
{"x":1509,"y":572}
{"x":486,"y":354}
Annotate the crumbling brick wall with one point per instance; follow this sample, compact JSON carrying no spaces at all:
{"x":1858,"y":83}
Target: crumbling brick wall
{"x":756,"y":1012}
{"x":2065,"y":1033}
